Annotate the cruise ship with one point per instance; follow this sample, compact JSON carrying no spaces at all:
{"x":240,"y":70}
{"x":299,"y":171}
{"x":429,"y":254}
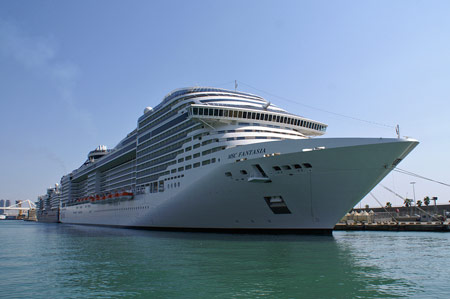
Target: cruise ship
{"x":47,"y":205}
{"x":211,"y":159}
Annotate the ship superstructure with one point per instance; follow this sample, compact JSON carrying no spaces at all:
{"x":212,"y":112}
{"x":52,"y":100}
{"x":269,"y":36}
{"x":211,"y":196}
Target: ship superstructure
{"x":209,"y":158}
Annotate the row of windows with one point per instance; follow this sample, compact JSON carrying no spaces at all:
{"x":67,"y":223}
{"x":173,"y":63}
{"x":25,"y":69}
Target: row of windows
{"x":294,"y":166}
{"x":160,"y":152}
{"x":151,"y":178}
{"x":142,"y":151}
{"x":258,"y":131}
{"x":257,"y":116}
{"x":164,"y":127}
{"x":123,"y":184}
{"x":114,"y":172}
{"x":155,"y":118}
{"x":170,"y":132}
{"x":155,"y":169}
{"x":159,"y":186}
{"x":276,"y":168}
{"x":159,"y":160}
{"x":109,"y":181}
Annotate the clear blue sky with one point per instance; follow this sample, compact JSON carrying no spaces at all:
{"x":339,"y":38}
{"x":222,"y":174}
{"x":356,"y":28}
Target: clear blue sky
{"x":76,"y":74}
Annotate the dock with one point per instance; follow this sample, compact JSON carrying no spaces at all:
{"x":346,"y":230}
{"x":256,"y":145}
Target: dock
{"x":418,"y":226}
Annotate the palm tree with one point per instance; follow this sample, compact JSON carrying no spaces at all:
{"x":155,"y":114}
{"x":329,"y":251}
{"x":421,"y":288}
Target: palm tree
{"x":427,"y":201}
{"x":388,"y":204}
{"x":419,"y":203}
{"x":407,"y":202}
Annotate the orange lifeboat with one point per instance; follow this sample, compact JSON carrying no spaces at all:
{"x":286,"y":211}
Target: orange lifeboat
{"x":126,"y":195}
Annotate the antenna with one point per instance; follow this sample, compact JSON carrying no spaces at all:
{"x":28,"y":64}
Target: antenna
{"x":397,"y":130}
{"x":235,"y":85}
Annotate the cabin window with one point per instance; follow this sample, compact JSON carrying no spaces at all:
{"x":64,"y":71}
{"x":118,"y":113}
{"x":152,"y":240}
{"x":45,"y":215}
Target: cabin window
{"x":235,"y":114}
{"x":180,"y":169}
{"x":188,"y":167}
{"x":244,"y":172}
{"x":286,"y":167}
{"x":270,"y":117}
{"x":277,"y":168}
{"x":200,"y":111}
{"x":216,"y":112}
{"x":278,"y":118}
{"x":180,"y":160}
{"x":197,"y":145}
{"x":196,"y":164}
{"x":195,"y":111}
{"x":258,"y":116}
{"x":244,"y":114}
{"x":188,"y":158}
{"x":297,"y":166}
{"x":307,"y":165}
{"x":220,"y":112}
{"x":206,"y":162}
{"x":196,"y":155}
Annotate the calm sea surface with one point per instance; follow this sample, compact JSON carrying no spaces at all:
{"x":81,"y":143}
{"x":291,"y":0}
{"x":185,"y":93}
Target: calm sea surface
{"x":68,"y":261}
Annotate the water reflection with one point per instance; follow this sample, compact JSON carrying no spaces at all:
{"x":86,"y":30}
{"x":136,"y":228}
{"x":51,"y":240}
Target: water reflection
{"x":121,"y":262}
{"x":80,"y":261}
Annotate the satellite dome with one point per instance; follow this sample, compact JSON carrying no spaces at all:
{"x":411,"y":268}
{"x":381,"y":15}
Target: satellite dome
{"x":148,"y":109}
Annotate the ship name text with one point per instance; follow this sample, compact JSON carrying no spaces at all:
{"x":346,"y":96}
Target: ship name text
{"x":247,"y":153}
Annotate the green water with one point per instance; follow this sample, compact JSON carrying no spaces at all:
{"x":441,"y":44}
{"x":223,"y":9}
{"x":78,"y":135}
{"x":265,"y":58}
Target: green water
{"x":68,"y":261}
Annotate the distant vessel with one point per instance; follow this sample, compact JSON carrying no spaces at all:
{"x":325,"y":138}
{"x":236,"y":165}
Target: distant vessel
{"x":2,"y":217}
{"x":47,"y":208}
{"x":211,"y":159}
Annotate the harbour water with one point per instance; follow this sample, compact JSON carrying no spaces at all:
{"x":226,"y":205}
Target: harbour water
{"x":42,"y":260}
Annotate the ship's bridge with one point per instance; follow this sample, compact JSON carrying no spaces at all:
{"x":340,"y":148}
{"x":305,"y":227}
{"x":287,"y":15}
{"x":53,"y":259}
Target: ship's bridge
{"x":210,"y":113}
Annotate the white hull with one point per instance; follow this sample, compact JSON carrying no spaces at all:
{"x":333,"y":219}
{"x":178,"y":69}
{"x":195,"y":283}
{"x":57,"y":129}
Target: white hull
{"x":342,"y":172}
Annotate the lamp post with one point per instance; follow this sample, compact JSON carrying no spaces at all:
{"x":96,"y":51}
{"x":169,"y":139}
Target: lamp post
{"x":414,"y":192}
{"x":414,"y":196}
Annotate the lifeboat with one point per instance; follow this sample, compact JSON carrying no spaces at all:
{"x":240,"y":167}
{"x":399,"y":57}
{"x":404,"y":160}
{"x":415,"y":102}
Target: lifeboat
{"x":117,"y":196}
{"x":109,"y":198}
{"x":126,"y":196}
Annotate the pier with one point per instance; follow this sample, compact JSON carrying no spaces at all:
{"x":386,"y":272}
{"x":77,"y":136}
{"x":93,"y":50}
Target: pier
{"x":434,"y":226}
{"x":424,"y":218}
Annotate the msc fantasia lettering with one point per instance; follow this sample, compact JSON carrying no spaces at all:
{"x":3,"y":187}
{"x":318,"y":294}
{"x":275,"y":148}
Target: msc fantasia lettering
{"x":247,"y":153}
